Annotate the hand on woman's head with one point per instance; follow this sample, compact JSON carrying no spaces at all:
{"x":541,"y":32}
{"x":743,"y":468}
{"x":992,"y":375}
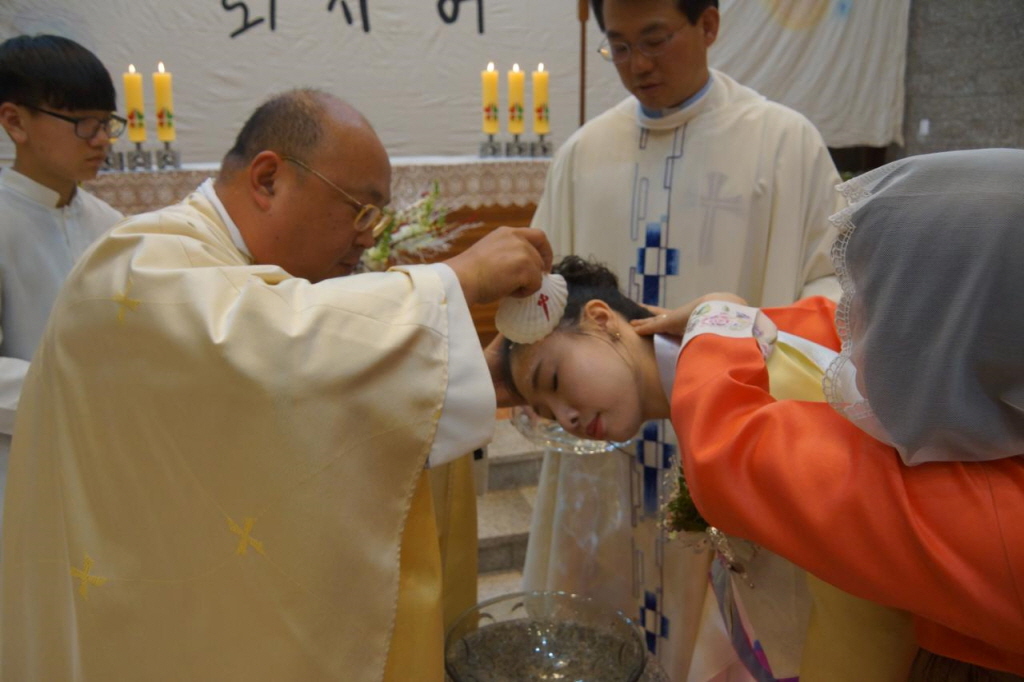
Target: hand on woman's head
{"x":674,"y":322}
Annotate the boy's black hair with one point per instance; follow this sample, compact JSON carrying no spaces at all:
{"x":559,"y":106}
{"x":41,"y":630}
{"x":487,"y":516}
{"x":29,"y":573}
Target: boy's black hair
{"x":55,"y":72}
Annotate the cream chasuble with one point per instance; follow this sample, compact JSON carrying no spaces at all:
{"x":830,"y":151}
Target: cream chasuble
{"x":729,"y":193}
{"x":219,"y":469}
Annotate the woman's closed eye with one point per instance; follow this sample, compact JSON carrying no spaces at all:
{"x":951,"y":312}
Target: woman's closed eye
{"x":543,"y":412}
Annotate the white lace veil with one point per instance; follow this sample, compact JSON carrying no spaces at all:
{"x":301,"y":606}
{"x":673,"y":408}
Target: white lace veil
{"x":931,"y":260}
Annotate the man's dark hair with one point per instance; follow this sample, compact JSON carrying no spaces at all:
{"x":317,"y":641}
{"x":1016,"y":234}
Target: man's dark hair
{"x":53,"y":71}
{"x":691,"y":8}
{"x":290,"y":124}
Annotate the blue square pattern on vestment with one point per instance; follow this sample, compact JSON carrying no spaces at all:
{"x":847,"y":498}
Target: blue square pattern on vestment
{"x":655,"y":624}
{"x":654,"y":234}
{"x":655,"y":457}
{"x":653,"y":264}
{"x":652,"y":290}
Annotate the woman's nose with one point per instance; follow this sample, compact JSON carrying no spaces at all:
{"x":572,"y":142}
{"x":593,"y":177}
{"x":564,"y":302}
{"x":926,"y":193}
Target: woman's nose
{"x":568,"y":418}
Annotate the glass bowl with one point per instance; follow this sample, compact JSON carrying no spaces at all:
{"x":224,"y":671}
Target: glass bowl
{"x":529,"y":636}
{"x":549,"y":435}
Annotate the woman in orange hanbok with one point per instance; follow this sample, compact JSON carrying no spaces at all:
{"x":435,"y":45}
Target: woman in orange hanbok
{"x":906,"y":489}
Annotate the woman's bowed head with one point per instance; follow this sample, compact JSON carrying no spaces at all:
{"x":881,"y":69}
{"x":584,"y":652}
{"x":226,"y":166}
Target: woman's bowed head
{"x":596,"y":374}
{"x":927,"y":255}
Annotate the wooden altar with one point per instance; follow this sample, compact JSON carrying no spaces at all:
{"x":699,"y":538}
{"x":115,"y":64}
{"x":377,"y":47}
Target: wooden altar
{"x":492,"y":192}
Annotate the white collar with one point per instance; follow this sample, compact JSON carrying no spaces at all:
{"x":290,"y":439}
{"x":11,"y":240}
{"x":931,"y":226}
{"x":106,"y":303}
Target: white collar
{"x":666,"y":354}
{"x":666,"y":119}
{"x":30,"y":189}
{"x":208,"y":191}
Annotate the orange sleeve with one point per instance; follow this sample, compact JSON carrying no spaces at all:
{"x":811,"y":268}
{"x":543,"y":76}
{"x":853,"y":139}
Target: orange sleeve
{"x":806,"y":483}
{"x":810,"y":318}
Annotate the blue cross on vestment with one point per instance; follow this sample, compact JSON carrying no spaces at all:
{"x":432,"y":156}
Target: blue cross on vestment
{"x":655,"y":261}
{"x":652,"y":204}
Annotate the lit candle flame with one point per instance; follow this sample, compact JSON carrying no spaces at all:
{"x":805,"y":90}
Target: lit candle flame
{"x":490,"y":66}
{"x":160,"y":67}
{"x":515,"y":67}
{"x":540,"y":67}
{"x":131,"y":68}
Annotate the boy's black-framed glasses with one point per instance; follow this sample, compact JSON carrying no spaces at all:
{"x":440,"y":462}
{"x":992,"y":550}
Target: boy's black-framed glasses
{"x":86,"y":127}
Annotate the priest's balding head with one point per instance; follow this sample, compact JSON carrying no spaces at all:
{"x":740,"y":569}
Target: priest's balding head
{"x":305,"y":183}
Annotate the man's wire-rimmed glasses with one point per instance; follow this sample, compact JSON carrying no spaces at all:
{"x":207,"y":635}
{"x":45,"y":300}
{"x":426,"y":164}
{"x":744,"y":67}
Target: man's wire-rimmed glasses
{"x":86,"y":127}
{"x":618,"y":51}
{"x":370,"y":217}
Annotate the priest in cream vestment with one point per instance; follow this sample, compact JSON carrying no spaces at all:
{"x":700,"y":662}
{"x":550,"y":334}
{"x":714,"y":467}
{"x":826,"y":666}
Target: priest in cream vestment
{"x":713,"y":188}
{"x":219,"y":467}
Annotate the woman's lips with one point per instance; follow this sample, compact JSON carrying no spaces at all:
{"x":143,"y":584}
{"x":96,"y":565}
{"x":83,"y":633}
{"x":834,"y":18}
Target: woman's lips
{"x":595,"y":430}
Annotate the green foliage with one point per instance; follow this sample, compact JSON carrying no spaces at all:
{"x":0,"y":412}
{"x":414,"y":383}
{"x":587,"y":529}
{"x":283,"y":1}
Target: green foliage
{"x":681,"y":513}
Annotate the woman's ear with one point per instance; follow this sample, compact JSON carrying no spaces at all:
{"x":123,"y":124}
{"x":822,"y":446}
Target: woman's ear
{"x":598,"y":315}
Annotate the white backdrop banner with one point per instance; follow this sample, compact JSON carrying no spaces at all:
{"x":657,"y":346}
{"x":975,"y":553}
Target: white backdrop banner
{"x":413,"y":66}
{"x":839,"y":62}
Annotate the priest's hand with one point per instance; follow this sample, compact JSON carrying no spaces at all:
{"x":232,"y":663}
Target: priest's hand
{"x":673,"y":322}
{"x":509,"y":261}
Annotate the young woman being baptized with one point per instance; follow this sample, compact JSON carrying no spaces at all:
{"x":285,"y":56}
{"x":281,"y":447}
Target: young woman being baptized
{"x":905,"y":488}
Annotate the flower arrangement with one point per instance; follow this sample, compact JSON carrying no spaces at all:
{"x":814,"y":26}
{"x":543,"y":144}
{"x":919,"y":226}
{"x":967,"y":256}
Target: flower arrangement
{"x":680,"y":514}
{"x":414,"y":233}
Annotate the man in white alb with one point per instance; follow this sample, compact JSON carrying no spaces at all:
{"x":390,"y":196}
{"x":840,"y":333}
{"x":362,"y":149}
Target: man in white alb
{"x":693,"y":183}
{"x":56,"y":105}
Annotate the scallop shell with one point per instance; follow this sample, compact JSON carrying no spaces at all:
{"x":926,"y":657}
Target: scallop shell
{"x":525,"y":320}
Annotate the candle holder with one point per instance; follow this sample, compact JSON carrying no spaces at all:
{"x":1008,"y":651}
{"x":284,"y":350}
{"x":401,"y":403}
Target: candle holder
{"x":114,"y":161}
{"x":517,"y":147}
{"x":541,"y":147}
{"x":489,"y":147}
{"x":168,"y":157}
{"x":139,"y":158}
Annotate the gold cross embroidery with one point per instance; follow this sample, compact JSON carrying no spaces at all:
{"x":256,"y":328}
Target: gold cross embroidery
{"x":124,"y":303}
{"x":83,"y":575}
{"x":246,"y":540}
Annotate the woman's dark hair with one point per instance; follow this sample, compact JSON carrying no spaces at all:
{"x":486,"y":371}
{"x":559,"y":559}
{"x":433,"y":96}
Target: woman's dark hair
{"x":53,"y":71}
{"x":585,"y":281}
